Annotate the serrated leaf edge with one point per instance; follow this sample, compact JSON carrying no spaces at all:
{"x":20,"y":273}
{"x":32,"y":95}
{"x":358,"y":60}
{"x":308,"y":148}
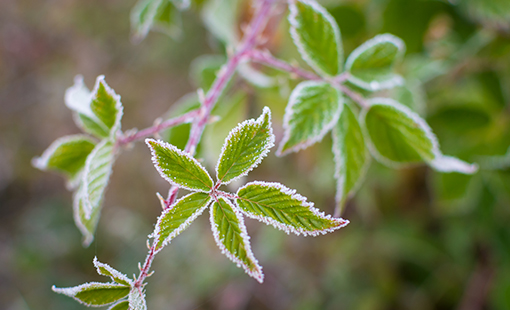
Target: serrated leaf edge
{"x":182,"y":227}
{"x":118,"y":104}
{"x":340,"y":196}
{"x":88,"y":237}
{"x":181,"y":153}
{"x":269,"y":143}
{"x":72,"y":291}
{"x":41,"y":162}
{"x":297,"y":41}
{"x":287,"y":117}
{"x":294,"y":195}
{"x":114,"y":273}
{"x":257,"y":273}
{"x":397,"y":80}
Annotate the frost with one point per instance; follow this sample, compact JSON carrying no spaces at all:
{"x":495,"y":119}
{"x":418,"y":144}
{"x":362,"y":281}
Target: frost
{"x":287,"y":196}
{"x":106,"y":270}
{"x":257,"y":271}
{"x":232,"y":143}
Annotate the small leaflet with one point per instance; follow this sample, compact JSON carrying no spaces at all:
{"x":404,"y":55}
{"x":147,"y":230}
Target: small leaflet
{"x":350,"y":155}
{"x":313,"y":109}
{"x":178,"y":167}
{"x":371,"y":64}
{"x":95,"y":293}
{"x":78,"y":98}
{"x":245,"y":147}
{"x":179,"y":216}
{"x":317,"y":36}
{"x":66,"y":155}
{"x":137,"y":299}
{"x":168,"y":20}
{"x":106,"y":105}
{"x":96,"y":176}
{"x":398,"y":136}
{"x":281,"y":207}
{"x":230,"y":233}
{"x":108,"y":271}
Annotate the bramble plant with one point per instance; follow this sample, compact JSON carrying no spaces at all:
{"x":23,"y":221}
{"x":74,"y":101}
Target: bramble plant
{"x":341,"y":97}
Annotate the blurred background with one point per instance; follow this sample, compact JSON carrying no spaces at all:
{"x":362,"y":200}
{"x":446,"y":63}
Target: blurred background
{"x":418,"y":239}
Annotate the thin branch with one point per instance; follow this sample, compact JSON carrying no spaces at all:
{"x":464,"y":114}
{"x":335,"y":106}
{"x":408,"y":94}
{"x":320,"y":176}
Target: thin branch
{"x":356,"y":97}
{"x":265,"y":58}
{"x":150,"y":131}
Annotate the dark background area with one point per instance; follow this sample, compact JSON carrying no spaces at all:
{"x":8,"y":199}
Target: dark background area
{"x":418,"y":239}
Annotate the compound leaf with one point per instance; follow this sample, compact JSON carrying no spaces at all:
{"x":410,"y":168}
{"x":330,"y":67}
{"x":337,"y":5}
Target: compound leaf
{"x":317,"y":36}
{"x":350,"y":154}
{"x":399,"y":136}
{"x":282,"y":207}
{"x":230,"y":234}
{"x":313,"y":109}
{"x":245,"y":147}
{"x":95,"y":294}
{"x":96,"y":175}
{"x":371,"y":64}
{"x":106,"y":105}
{"x":66,"y":155}
{"x":179,"y":216}
{"x":108,"y":271}
{"x":178,"y":167}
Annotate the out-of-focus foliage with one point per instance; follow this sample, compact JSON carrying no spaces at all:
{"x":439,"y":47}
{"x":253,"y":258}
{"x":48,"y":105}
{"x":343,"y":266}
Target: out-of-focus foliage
{"x":417,"y":239}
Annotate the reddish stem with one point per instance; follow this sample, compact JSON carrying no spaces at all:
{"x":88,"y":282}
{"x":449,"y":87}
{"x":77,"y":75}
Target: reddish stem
{"x":150,"y":131}
{"x":265,"y":58}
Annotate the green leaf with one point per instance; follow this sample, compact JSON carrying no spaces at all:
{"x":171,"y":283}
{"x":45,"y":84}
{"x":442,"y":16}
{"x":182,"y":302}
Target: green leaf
{"x":351,"y":155}
{"x":179,"y":216}
{"x":399,"y":136}
{"x":137,"y":299}
{"x":245,"y":147}
{"x":91,"y":126}
{"x":121,"y":305}
{"x":220,"y":17}
{"x":67,"y":155}
{"x":106,"y":105}
{"x":86,"y":225}
{"x":282,"y":207}
{"x":142,"y":17}
{"x":230,"y":234}
{"x":168,"y":20}
{"x":95,"y":294}
{"x":203,"y":70}
{"x":317,"y":36}
{"x":371,"y":64}
{"x":178,"y":167}
{"x":78,"y":99}
{"x":108,"y":271}
{"x":491,"y":13}
{"x":313,"y":109}
{"x":96,"y":176}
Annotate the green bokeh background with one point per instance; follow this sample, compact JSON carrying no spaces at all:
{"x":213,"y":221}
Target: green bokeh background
{"x":418,"y":239}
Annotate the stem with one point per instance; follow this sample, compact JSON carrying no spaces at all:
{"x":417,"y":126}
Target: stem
{"x":265,"y":58}
{"x":150,"y":131}
{"x":200,"y":119}
{"x":356,"y":97}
